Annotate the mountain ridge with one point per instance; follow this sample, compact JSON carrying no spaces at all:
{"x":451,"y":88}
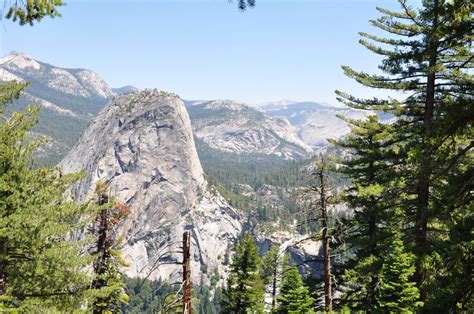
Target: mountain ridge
{"x":235,"y":127}
{"x":72,"y":97}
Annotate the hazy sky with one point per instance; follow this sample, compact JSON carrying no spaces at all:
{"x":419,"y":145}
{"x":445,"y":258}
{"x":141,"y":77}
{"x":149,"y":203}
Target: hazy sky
{"x":209,"y":49}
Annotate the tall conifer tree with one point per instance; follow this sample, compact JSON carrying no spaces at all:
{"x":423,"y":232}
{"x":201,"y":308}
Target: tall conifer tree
{"x":294,"y":295}
{"x":398,"y":294}
{"x":41,"y":267}
{"x":272,"y":264}
{"x":245,"y":291}
{"x":428,"y":57}
{"x":107,"y":287}
{"x":372,"y":195}
{"x":322,"y":196}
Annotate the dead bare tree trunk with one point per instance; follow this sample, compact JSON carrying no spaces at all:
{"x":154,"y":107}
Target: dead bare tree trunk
{"x":326,"y":249}
{"x":186,"y":272}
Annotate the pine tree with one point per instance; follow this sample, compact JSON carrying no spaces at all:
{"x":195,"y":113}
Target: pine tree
{"x":41,"y":267}
{"x":323,"y":191}
{"x":244,"y":4}
{"x":271,"y":272}
{"x":428,"y":57}
{"x":31,"y":11}
{"x":371,"y":194}
{"x":398,"y":294}
{"x":245,"y":290}
{"x":294,"y":297}
{"x":107,"y":285}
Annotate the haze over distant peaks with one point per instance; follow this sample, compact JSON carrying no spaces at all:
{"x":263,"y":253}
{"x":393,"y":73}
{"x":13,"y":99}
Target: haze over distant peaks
{"x":314,"y":122}
{"x":76,"y":82}
{"x":125,"y":90}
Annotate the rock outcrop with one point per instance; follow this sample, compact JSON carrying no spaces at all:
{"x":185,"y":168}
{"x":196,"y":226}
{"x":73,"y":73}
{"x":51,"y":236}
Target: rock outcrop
{"x":236,"y":128}
{"x":142,"y":145}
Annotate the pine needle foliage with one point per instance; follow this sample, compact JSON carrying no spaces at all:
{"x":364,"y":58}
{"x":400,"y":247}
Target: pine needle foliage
{"x":420,"y":166}
{"x":41,"y":266}
{"x":398,"y":294}
{"x":272,"y":264}
{"x":107,"y":288}
{"x":294,"y":297}
{"x":373,"y":197}
{"x":31,"y":11}
{"x":245,"y":4}
{"x":245,"y":291}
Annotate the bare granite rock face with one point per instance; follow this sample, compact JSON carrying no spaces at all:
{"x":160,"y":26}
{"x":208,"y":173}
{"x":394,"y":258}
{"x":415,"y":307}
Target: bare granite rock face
{"x":142,"y":145}
{"x":233,"y":127}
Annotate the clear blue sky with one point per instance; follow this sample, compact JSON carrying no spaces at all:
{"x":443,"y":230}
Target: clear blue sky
{"x":209,"y":49}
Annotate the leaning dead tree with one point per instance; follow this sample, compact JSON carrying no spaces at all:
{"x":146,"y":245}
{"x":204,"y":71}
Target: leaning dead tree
{"x":319,"y":196}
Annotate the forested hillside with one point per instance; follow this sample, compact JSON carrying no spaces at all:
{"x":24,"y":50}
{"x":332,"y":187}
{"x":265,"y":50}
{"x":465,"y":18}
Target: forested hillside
{"x":268,"y":187}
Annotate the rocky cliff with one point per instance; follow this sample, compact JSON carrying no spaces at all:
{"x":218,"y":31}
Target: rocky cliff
{"x":142,"y":145}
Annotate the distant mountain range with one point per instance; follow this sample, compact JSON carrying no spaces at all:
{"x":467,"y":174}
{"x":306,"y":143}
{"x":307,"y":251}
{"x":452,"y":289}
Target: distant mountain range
{"x":237,"y":128}
{"x":286,"y":128}
{"x":314,"y":123}
{"x":142,"y":144}
{"x":73,"y":97}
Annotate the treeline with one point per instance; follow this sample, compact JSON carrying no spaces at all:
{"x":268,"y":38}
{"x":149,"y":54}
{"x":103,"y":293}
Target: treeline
{"x":156,"y":296}
{"x":239,"y":178}
{"x":62,"y":130}
{"x":252,"y":279}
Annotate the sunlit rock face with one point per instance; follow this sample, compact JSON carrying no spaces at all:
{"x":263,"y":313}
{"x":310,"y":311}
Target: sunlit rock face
{"x":234,"y":127}
{"x":142,"y":145}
